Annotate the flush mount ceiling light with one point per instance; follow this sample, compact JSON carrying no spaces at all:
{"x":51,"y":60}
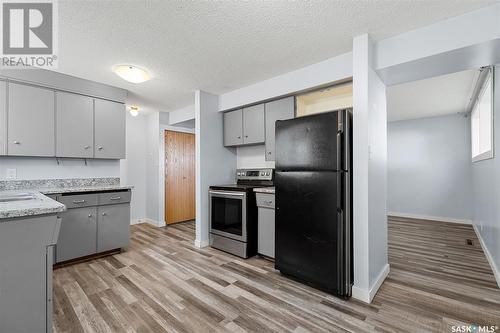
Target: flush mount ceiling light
{"x":134,"y":111}
{"x":132,"y":73}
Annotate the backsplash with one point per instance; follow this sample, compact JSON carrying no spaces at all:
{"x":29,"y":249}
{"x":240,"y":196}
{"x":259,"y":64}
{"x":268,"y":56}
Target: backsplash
{"x":57,"y":183}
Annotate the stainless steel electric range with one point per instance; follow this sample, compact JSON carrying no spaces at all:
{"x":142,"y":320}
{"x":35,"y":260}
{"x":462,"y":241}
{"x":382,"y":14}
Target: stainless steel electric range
{"x":233,"y":212}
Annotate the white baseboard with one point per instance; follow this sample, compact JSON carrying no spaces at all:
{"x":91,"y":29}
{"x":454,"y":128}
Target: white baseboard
{"x":431,"y":218}
{"x":368,"y":295}
{"x":494,"y":268}
{"x":201,"y":243}
{"x":136,"y":221}
{"x":146,"y":220}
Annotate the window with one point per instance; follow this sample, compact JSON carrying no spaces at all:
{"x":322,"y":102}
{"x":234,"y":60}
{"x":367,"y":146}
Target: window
{"x":482,"y":121}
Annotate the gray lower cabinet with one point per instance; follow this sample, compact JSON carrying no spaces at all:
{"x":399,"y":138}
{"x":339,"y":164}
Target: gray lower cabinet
{"x":3,"y":118}
{"x":93,"y":223}
{"x":114,"y":231}
{"x":26,"y":273}
{"x":266,"y":224}
{"x":75,"y":125}
{"x":77,"y":237}
{"x":281,"y":109}
{"x":109,"y":130}
{"x":233,"y":128}
{"x":253,"y":124}
{"x":30,"y":120}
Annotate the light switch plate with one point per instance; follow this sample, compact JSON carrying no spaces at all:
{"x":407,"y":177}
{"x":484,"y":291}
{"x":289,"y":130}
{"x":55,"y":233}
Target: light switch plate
{"x":11,"y":174}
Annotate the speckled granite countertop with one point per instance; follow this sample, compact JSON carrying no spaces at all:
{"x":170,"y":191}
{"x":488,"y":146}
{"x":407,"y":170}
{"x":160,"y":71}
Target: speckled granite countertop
{"x":39,"y":205}
{"x":269,"y":190}
{"x":43,"y":204}
{"x":103,"y":188}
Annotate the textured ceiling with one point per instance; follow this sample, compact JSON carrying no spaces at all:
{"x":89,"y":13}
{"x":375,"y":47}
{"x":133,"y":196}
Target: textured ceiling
{"x":438,"y":96}
{"x":219,"y":46}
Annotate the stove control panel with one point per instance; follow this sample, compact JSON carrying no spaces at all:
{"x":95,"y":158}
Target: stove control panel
{"x":254,"y":174}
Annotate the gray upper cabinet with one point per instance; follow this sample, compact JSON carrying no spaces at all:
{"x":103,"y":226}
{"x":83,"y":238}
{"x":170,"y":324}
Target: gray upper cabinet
{"x":30,"y":128}
{"x":233,"y":128}
{"x":75,"y":125}
{"x":3,"y":118}
{"x":276,"y":110}
{"x":109,"y":129}
{"x":253,"y":124}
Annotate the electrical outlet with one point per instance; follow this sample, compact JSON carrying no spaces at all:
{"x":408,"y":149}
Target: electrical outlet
{"x":11,"y":174}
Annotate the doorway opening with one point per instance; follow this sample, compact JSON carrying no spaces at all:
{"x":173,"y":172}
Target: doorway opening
{"x":179,"y":177}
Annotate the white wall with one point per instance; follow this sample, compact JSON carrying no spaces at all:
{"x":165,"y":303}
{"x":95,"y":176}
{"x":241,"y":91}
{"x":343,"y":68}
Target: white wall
{"x":47,"y":168}
{"x":369,"y":172}
{"x":133,"y":168}
{"x":463,"y":42}
{"x":486,"y":192}
{"x":181,"y":115}
{"x":215,"y":164}
{"x":250,"y":157}
{"x":319,"y":74}
{"x":429,"y":168}
{"x":153,"y":187}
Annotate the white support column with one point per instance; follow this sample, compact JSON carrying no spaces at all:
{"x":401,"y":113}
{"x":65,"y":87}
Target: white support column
{"x":215,"y":164}
{"x":369,"y":173}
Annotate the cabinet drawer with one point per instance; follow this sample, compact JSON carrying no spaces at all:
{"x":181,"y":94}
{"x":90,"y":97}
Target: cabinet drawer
{"x":112,"y":198}
{"x":265,"y":200}
{"x":78,"y":200}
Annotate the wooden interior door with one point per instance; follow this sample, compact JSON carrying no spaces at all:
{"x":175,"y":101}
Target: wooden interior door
{"x":179,"y":177}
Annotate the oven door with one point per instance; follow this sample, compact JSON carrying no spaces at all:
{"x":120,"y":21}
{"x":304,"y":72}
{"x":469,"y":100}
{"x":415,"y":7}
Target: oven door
{"x":228,"y":214}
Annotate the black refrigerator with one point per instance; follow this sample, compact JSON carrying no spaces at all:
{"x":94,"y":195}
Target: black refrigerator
{"x":313,"y":180}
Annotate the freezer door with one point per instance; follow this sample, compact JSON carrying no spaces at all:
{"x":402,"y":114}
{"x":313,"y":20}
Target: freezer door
{"x":309,"y":228}
{"x":312,"y":143}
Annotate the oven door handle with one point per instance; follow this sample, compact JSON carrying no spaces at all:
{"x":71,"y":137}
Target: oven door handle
{"x":233,"y":194}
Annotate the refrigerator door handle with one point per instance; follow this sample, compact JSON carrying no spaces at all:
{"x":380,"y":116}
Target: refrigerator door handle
{"x":340,"y":132}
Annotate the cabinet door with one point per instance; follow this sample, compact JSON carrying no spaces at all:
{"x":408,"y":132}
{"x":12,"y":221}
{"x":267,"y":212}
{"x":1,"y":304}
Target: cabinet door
{"x":276,"y":110}
{"x":30,"y":121}
{"x":3,"y":118}
{"x":253,"y":124}
{"x":266,"y":232}
{"x":113,"y":227}
{"x":78,"y":234}
{"x":75,"y":125}
{"x":109,"y":129}
{"x":233,"y":128}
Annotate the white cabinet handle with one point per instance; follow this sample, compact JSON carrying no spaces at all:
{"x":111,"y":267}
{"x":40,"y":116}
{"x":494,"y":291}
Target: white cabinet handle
{"x":115,"y":198}
{"x":17,"y":142}
{"x":99,"y":148}
{"x":90,"y":215}
{"x":239,"y":137}
{"x":268,"y":153}
{"x":268,"y":202}
{"x":104,"y":214}
{"x":86,"y":147}
{"x":78,"y":201}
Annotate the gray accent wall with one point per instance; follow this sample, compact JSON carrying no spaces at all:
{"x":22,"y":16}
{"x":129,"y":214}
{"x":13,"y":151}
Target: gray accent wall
{"x":429,"y":167}
{"x":486,"y":191}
